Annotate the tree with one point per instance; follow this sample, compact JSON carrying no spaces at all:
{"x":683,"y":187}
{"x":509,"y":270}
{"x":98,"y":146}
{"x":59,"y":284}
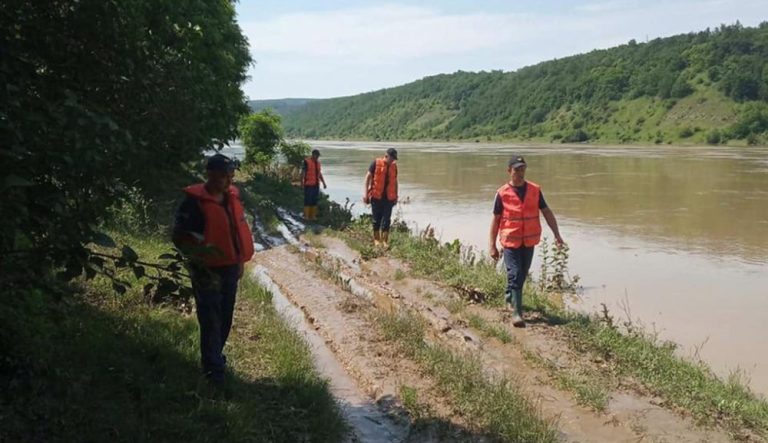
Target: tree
{"x":111,"y":96}
{"x":261,"y":134}
{"x":295,"y":152}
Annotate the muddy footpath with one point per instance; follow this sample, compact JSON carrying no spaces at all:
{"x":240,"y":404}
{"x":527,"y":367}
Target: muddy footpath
{"x":333,"y":298}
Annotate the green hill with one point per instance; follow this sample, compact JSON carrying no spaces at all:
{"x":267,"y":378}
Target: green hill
{"x":281,"y":105}
{"x":705,"y":87}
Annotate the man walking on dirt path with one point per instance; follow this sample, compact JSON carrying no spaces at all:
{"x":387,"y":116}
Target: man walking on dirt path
{"x":311,"y":177}
{"x":212,"y":232}
{"x":381,"y":192}
{"x":516,"y":225}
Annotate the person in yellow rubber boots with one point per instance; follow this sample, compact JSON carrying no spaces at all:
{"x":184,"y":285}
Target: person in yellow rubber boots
{"x":381,"y":192}
{"x":516,"y":225}
{"x":311,"y":177}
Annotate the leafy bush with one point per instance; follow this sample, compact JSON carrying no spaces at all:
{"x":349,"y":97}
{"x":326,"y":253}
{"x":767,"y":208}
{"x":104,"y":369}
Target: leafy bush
{"x":261,"y":134}
{"x":89,"y":115}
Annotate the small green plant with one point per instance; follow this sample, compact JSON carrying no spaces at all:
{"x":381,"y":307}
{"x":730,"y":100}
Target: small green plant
{"x":553,"y":274}
{"x":399,"y":274}
{"x":488,"y":329}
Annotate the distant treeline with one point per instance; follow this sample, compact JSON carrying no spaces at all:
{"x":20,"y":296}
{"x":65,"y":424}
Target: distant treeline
{"x":705,"y":87}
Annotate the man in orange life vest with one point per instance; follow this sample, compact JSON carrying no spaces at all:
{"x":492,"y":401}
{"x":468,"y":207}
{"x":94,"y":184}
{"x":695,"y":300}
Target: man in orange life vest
{"x":211,"y":230}
{"x":381,"y":192}
{"x":311,"y":177}
{"x":516,"y":224}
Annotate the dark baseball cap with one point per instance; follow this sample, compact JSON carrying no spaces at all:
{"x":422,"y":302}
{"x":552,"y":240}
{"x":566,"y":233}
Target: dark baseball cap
{"x":220,"y":162}
{"x":516,"y":161}
{"x":392,"y":153}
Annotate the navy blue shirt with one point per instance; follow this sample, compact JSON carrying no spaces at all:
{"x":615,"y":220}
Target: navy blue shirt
{"x":498,"y":206}
{"x":189,"y":217}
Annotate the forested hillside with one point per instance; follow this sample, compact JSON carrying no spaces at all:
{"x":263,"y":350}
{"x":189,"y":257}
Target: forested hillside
{"x":280,"y":105}
{"x":705,"y":87}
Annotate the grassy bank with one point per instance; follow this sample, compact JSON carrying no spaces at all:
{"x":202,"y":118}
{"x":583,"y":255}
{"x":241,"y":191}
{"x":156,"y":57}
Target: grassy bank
{"x":630,"y":353}
{"x":84,"y":363}
{"x":492,"y":407}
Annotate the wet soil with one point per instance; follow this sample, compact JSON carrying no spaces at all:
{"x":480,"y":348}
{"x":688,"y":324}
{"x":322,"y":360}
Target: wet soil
{"x":340,"y":295}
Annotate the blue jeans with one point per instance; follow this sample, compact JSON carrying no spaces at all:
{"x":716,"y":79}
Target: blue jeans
{"x":215,"y":302}
{"x":311,"y":195}
{"x":518,"y":262}
{"x":381,"y":210}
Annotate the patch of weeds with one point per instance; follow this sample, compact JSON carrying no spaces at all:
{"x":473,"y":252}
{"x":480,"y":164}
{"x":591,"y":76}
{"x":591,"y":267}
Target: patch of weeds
{"x":587,"y":386}
{"x":454,"y":305}
{"x":689,"y":385}
{"x":494,"y":407}
{"x":409,"y":396}
{"x":314,"y":240}
{"x":399,"y":274}
{"x":488,"y":329}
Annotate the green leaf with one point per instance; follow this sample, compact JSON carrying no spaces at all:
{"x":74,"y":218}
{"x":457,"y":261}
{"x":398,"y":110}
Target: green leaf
{"x":129,"y":254}
{"x":167,"y":256}
{"x":104,"y":240}
{"x":120,"y":289}
{"x":138,"y":271}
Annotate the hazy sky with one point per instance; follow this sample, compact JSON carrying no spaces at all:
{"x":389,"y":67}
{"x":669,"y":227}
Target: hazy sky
{"x":318,"y":49}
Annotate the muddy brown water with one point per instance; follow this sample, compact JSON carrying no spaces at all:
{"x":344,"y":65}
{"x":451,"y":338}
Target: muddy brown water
{"x":674,"y":237}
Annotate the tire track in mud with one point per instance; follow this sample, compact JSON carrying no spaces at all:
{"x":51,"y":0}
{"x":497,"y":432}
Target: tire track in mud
{"x":341,"y":323}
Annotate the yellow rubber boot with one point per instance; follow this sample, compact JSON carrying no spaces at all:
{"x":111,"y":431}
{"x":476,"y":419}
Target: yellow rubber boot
{"x":306,"y":212}
{"x":385,"y":239}
{"x":313,"y":213}
{"x":376,"y":238}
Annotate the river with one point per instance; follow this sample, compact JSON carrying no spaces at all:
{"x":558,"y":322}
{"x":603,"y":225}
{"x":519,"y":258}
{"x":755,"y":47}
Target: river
{"x":674,"y":238}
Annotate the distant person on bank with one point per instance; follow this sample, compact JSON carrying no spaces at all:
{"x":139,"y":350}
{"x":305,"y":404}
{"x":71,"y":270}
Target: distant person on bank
{"x":381,"y":192}
{"x":517,"y":226}
{"x":211,"y":230}
{"x":311,"y":177}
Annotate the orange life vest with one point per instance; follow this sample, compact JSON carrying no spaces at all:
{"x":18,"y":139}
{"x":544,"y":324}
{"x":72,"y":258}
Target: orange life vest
{"x":384,"y":175}
{"x":520,"y":225}
{"x":313,"y":172}
{"x":221,"y":230}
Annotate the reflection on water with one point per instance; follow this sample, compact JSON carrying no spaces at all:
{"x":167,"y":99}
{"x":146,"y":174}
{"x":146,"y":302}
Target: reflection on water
{"x":677,"y":237}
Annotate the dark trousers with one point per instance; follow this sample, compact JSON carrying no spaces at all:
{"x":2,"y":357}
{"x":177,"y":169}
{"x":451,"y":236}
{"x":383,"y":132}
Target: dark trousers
{"x":215,"y":301}
{"x":311,"y":195}
{"x":518,"y":262}
{"x":381,"y":210}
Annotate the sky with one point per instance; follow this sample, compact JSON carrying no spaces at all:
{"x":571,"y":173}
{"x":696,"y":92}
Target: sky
{"x":321,"y":49}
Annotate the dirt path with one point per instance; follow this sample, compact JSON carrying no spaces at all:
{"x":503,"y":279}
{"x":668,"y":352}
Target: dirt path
{"x":339,"y":294}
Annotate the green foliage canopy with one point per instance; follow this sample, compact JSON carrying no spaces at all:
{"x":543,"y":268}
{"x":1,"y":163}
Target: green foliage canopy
{"x":261,"y":134}
{"x":100,"y":97}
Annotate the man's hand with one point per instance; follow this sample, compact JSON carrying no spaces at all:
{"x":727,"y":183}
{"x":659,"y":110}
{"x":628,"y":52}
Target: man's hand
{"x":325,"y":186}
{"x":559,"y":240}
{"x":240,"y":269}
{"x":494,"y":252}
{"x":366,"y":199}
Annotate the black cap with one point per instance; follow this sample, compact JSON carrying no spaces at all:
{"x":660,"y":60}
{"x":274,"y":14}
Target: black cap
{"x":392,"y":153}
{"x":516,"y":161}
{"x":316,"y":152}
{"x":220,"y":162}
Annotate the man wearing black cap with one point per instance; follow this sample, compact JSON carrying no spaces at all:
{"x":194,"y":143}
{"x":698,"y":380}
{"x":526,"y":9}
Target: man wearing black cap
{"x":212,"y":232}
{"x":381,"y":192}
{"x":311,"y":177}
{"x":516,"y":225}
